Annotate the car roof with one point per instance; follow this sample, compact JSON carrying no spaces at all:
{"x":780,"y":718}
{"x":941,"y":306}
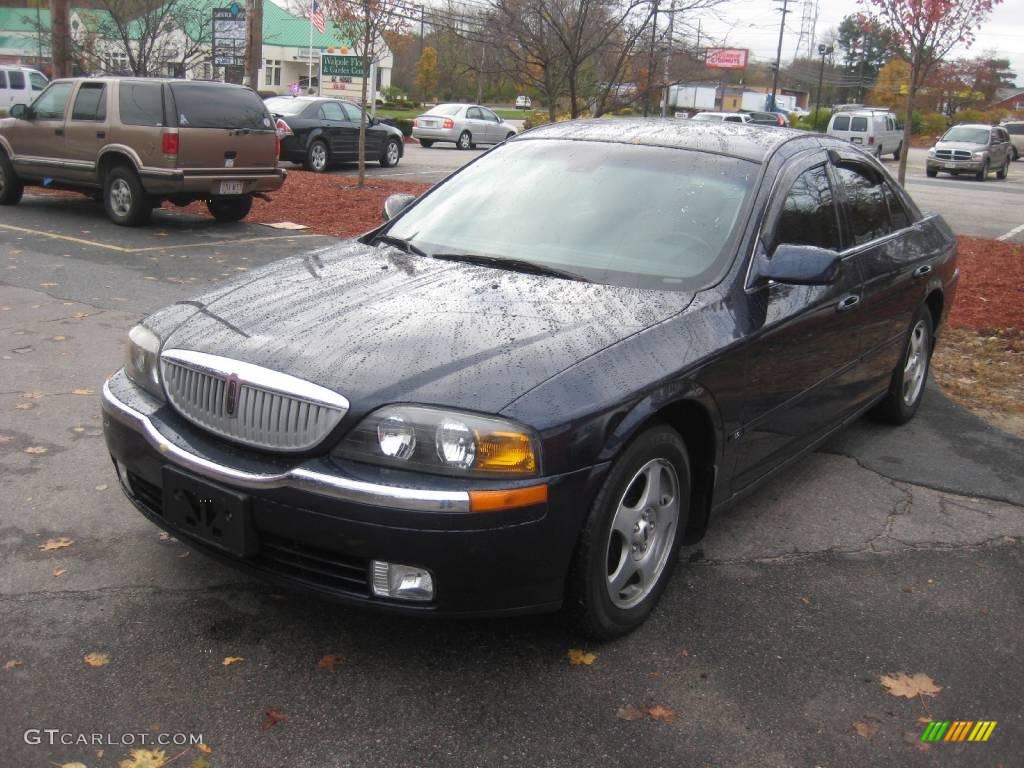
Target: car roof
{"x":985,"y":126}
{"x":742,"y":140}
{"x":139,"y":79}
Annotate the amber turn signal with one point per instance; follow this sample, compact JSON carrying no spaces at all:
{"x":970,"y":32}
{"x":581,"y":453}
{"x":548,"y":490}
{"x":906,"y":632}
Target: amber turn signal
{"x":493,"y":501}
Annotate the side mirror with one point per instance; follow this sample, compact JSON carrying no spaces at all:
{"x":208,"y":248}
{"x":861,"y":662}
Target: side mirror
{"x":19,"y":111}
{"x":395,"y":204}
{"x":800,"y":265}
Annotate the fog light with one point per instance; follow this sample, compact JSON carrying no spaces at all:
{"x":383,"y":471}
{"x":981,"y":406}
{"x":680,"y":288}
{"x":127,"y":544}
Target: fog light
{"x":122,"y":473}
{"x":402,"y":582}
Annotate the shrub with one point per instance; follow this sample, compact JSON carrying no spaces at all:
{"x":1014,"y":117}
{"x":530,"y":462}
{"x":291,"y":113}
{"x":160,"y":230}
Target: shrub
{"x":933,"y":124}
{"x":625,"y":112}
{"x":403,"y":124}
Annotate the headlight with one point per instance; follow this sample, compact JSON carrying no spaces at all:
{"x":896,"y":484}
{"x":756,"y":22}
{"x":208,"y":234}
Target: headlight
{"x":979,"y":155}
{"x":931,"y":152}
{"x":444,"y":442}
{"x":143,"y":363}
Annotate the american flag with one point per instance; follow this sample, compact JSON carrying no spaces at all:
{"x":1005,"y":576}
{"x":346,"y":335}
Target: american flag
{"x":316,"y":15}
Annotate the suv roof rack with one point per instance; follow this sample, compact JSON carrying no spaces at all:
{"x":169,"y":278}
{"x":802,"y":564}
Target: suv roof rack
{"x":858,"y":108}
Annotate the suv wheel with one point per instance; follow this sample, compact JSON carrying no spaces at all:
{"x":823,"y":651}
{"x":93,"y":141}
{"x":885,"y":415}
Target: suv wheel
{"x":983,"y":173}
{"x":1001,"y":173}
{"x":11,"y":188}
{"x":898,"y":152}
{"x":391,"y":155}
{"x":230,"y":208}
{"x":125,"y":200}
{"x":317,"y":158}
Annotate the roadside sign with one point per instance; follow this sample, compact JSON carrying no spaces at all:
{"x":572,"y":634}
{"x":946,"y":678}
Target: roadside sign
{"x":229,"y":36}
{"x":727,"y":58}
{"x":340,"y":66}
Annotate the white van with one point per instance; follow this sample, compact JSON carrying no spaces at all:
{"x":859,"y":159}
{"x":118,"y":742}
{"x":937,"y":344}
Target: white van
{"x":878,"y":131}
{"x":20,"y":85}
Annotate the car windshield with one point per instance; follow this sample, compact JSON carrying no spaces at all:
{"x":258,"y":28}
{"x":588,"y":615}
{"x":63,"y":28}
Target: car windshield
{"x":445,"y":109}
{"x":286,"y":106}
{"x":638,"y":216}
{"x":968,"y":135}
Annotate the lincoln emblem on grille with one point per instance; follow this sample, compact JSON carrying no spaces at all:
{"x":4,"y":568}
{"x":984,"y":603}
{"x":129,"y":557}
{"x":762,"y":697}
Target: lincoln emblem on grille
{"x":231,"y":388}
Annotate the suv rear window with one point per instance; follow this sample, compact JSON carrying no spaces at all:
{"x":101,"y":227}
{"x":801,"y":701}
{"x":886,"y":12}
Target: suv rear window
{"x":841,"y":123}
{"x":141,"y":103}
{"x":1015,"y":129}
{"x":859,"y":124}
{"x":212,"y":105}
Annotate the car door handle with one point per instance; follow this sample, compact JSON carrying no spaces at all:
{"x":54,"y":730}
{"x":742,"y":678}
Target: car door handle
{"x":101,"y":134}
{"x":848,"y":302}
{"x":923,"y":270}
{"x":59,"y":131}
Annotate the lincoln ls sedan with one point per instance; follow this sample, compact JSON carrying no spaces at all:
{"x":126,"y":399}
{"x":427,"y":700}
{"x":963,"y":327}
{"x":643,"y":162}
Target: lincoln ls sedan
{"x":527,"y":386}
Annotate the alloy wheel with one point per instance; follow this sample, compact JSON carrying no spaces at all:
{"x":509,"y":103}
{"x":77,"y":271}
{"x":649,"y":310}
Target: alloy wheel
{"x":392,"y":153}
{"x":318,"y":156}
{"x":120,"y":197}
{"x":916,"y":367}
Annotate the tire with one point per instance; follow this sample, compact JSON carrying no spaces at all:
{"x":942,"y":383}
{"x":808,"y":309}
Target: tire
{"x":391,"y":155}
{"x":983,"y":173}
{"x":509,"y":136}
{"x":931,"y":173}
{"x":1016,"y":155}
{"x":11,"y":188}
{"x":1001,"y":173}
{"x":608,"y":593}
{"x":228,"y":209}
{"x":906,"y":389}
{"x":126,"y":202}
{"x":426,"y":143}
{"x":878,"y":153}
{"x":465,"y":141}
{"x":318,"y":158}
{"x":899,"y":151}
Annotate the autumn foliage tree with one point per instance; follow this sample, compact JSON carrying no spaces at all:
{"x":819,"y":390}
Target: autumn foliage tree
{"x":928,"y":30}
{"x":891,"y":86}
{"x":426,"y":73}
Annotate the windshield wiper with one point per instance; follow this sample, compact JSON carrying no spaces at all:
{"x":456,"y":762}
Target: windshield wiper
{"x":399,"y":243}
{"x":518,"y":265}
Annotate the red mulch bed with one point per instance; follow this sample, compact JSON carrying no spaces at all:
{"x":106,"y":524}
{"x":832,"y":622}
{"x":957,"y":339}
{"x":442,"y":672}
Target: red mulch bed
{"x":991,"y":291}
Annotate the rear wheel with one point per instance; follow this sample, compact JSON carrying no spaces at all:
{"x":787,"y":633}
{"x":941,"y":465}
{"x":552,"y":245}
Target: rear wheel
{"x":906,"y":389}
{"x":391,"y":155}
{"x":317,"y":157}
{"x":426,"y":143}
{"x":628,"y":547}
{"x":124,"y":198}
{"x":465,"y":140}
{"x":230,"y":208}
{"x":899,"y":151}
{"x":11,"y":188}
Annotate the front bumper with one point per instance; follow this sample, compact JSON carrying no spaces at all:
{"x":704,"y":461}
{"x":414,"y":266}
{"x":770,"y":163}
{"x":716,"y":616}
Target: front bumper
{"x":317,"y":525}
{"x":971,"y":166}
{"x":204,"y":183}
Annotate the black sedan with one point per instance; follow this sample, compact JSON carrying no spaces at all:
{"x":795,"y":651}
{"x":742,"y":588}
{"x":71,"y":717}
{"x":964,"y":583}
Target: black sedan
{"x":318,"y":133}
{"x":522,"y":390}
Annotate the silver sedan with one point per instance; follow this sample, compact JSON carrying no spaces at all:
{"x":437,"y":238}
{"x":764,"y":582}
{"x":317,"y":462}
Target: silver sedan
{"x":466,"y":125}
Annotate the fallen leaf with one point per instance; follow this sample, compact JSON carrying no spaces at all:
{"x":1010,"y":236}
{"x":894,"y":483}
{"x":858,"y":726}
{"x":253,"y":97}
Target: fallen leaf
{"x":200,"y":762}
{"x":59,"y":571}
{"x":909,"y":686}
{"x":144,"y":758}
{"x":24,"y":406}
{"x":36,"y":450}
{"x":204,"y":748}
{"x":5,"y":438}
{"x":629,"y":713}
{"x":48,"y":285}
{"x":578,"y":657}
{"x":184,"y":554}
{"x":273,"y":718}
{"x":99,"y":753}
{"x":684,"y":653}
{"x":51,"y":544}
{"x":83,"y":391}
{"x":865,"y":728}
{"x":101,"y":487}
{"x":33,"y":395}
{"x":229,"y":660}
{"x":660,"y":713}
{"x":805,"y":600}
{"x":78,"y":429}
{"x":923,"y":720}
{"x":329,"y":662}
{"x":73,"y":765}
{"x":96,"y":659}
{"x":12,"y":664}
{"x":58,"y":338}
{"x":165,"y":536}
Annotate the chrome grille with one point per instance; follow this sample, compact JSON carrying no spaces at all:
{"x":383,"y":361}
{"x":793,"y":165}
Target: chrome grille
{"x":952,"y":154}
{"x":248,"y":403}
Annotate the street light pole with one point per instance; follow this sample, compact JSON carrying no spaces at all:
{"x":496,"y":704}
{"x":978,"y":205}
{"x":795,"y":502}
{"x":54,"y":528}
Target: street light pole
{"x":668,"y":57}
{"x":823,"y":50}
{"x":778,"y":53}
{"x":651,"y":60}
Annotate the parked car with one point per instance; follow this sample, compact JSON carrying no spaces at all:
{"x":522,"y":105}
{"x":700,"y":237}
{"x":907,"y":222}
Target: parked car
{"x":1015,"y":128}
{"x":505,"y":400}
{"x":464,"y":124}
{"x":767,"y":118}
{"x":524,"y":102}
{"x":133,"y":143}
{"x":878,"y":131}
{"x":318,"y":133}
{"x":723,"y":117}
{"x":974,"y":149}
{"x":20,"y":85}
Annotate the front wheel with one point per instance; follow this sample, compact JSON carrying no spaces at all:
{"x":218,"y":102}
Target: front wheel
{"x":628,"y":547}
{"x":230,"y":208}
{"x":906,"y":388}
{"x":391,"y":155}
{"x":983,"y":173}
{"x":11,"y":188}
{"x":899,"y":151}
{"x":931,"y":173}
{"x":124,"y":198}
{"x":465,"y":140}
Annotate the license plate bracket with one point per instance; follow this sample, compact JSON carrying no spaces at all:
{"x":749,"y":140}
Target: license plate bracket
{"x":857,"y":140}
{"x":949,"y":165}
{"x":231,"y":188}
{"x":216,"y":516}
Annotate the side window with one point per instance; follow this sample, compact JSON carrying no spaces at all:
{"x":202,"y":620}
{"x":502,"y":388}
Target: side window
{"x":352,"y":112}
{"x":865,"y":197}
{"x":473,"y":113}
{"x":17,"y":80}
{"x":90,"y":103}
{"x":488,"y":115}
{"x":859,"y":124}
{"x":3,"y":79}
{"x":897,"y":212}
{"x":52,"y":102}
{"x":331,"y":110}
{"x":808,"y":216}
{"x":141,"y":103}
{"x":38,"y":81}
{"x":841,"y":123}
{"x":733,"y":119}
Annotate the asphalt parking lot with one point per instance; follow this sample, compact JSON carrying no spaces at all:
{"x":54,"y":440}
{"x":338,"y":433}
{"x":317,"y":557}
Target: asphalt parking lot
{"x":889,"y":550}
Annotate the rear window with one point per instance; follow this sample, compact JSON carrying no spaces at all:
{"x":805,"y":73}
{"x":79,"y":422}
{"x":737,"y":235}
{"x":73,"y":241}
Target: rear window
{"x":1015,"y":129}
{"x":212,"y":105}
{"x":286,"y":106}
{"x":841,"y":123}
{"x":38,"y":81}
{"x":445,"y":109}
{"x":141,"y":103}
{"x":859,"y":124}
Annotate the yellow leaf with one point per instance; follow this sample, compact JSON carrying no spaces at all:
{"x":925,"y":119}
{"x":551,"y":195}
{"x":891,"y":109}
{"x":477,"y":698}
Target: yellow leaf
{"x":329,"y":662}
{"x":36,"y":450}
{"x":909,"y":686}
{"x":59,"y":338}
{"x":923,"y":720}
{"x":96,"y":659}
{"x":144,"y":758}
{"x":59,"y":571}
{"x":73,"y":765}
{"x":12,"y":664}
{"x":578,"y":657}
{"x":204,"y":748}
{"x":24,"y":406}
{"x":83,"y":391}
{"x":865,"y":728}
{"x":660,"y":713}
{"x":200,"y":762}
{"x":229,"y":660}
{"x":51,"y":544}
{"x":629,"y":713}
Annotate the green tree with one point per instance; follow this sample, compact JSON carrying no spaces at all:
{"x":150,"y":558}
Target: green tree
{"x":426,"y":73}
{"x":866,"y":45}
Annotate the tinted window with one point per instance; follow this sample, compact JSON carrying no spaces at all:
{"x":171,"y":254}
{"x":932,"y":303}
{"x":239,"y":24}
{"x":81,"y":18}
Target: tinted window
{"x":734,"y":119}
{"x":90,"y":103}
{"x":52,"y":102}
{"x":17,"y":80}
{"x":1016,"y":129}
{"x":38,"y":81}
{"x":808,"y":216}
{"x":212,"y":105}
{"x":859,"y":124}
{"x":841,"y":123}
{"x":354,"y":113}
{"x":141,"y":103}
{"x":331,"y":110}
{"x":897,"y":213}
{"x":865,"y":196}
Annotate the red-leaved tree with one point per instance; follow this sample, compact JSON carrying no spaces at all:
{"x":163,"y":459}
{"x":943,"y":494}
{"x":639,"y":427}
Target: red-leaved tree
{"x":928,"y":30}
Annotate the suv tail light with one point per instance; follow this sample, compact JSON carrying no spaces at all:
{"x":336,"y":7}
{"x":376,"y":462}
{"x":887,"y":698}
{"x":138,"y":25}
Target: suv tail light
{"x":283,"y":129}
{"x":871,"y":139}
{"x":782,"y":121}
{"x":448,"y":123}
{"x":170,"y":143}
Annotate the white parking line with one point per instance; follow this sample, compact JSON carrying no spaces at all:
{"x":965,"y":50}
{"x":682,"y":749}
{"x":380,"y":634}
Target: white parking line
{"x":415,"y":173}
{"x":1011,"y":233}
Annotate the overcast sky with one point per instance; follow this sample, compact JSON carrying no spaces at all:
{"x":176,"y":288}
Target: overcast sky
{"x":758,"y":29}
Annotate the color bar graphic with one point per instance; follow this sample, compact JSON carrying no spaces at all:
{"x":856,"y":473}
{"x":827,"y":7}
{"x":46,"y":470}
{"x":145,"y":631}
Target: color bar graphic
{"x":958,"y":730}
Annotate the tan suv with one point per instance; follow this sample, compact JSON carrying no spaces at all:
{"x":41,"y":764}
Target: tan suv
{"x":136,"y":142}
{"x":1016,"y":130}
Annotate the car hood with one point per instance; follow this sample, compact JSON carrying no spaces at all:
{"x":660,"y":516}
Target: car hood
{"x":969,"y":146}
{"x":379,"y":326}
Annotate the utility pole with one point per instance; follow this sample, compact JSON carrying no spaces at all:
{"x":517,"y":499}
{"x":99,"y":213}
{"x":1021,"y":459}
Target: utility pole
{"x":423,"y":22}
{"x":668,"y":57}
{"x":253,"y":43}
{"x":823,"y":50}
{"x":778,"y":54}
{"x":650,"y":60}
{"x":60,"y":45}
{"x":699,"y":58}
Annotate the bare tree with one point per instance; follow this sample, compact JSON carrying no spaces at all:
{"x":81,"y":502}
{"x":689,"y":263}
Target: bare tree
{"x":535,"y":55}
